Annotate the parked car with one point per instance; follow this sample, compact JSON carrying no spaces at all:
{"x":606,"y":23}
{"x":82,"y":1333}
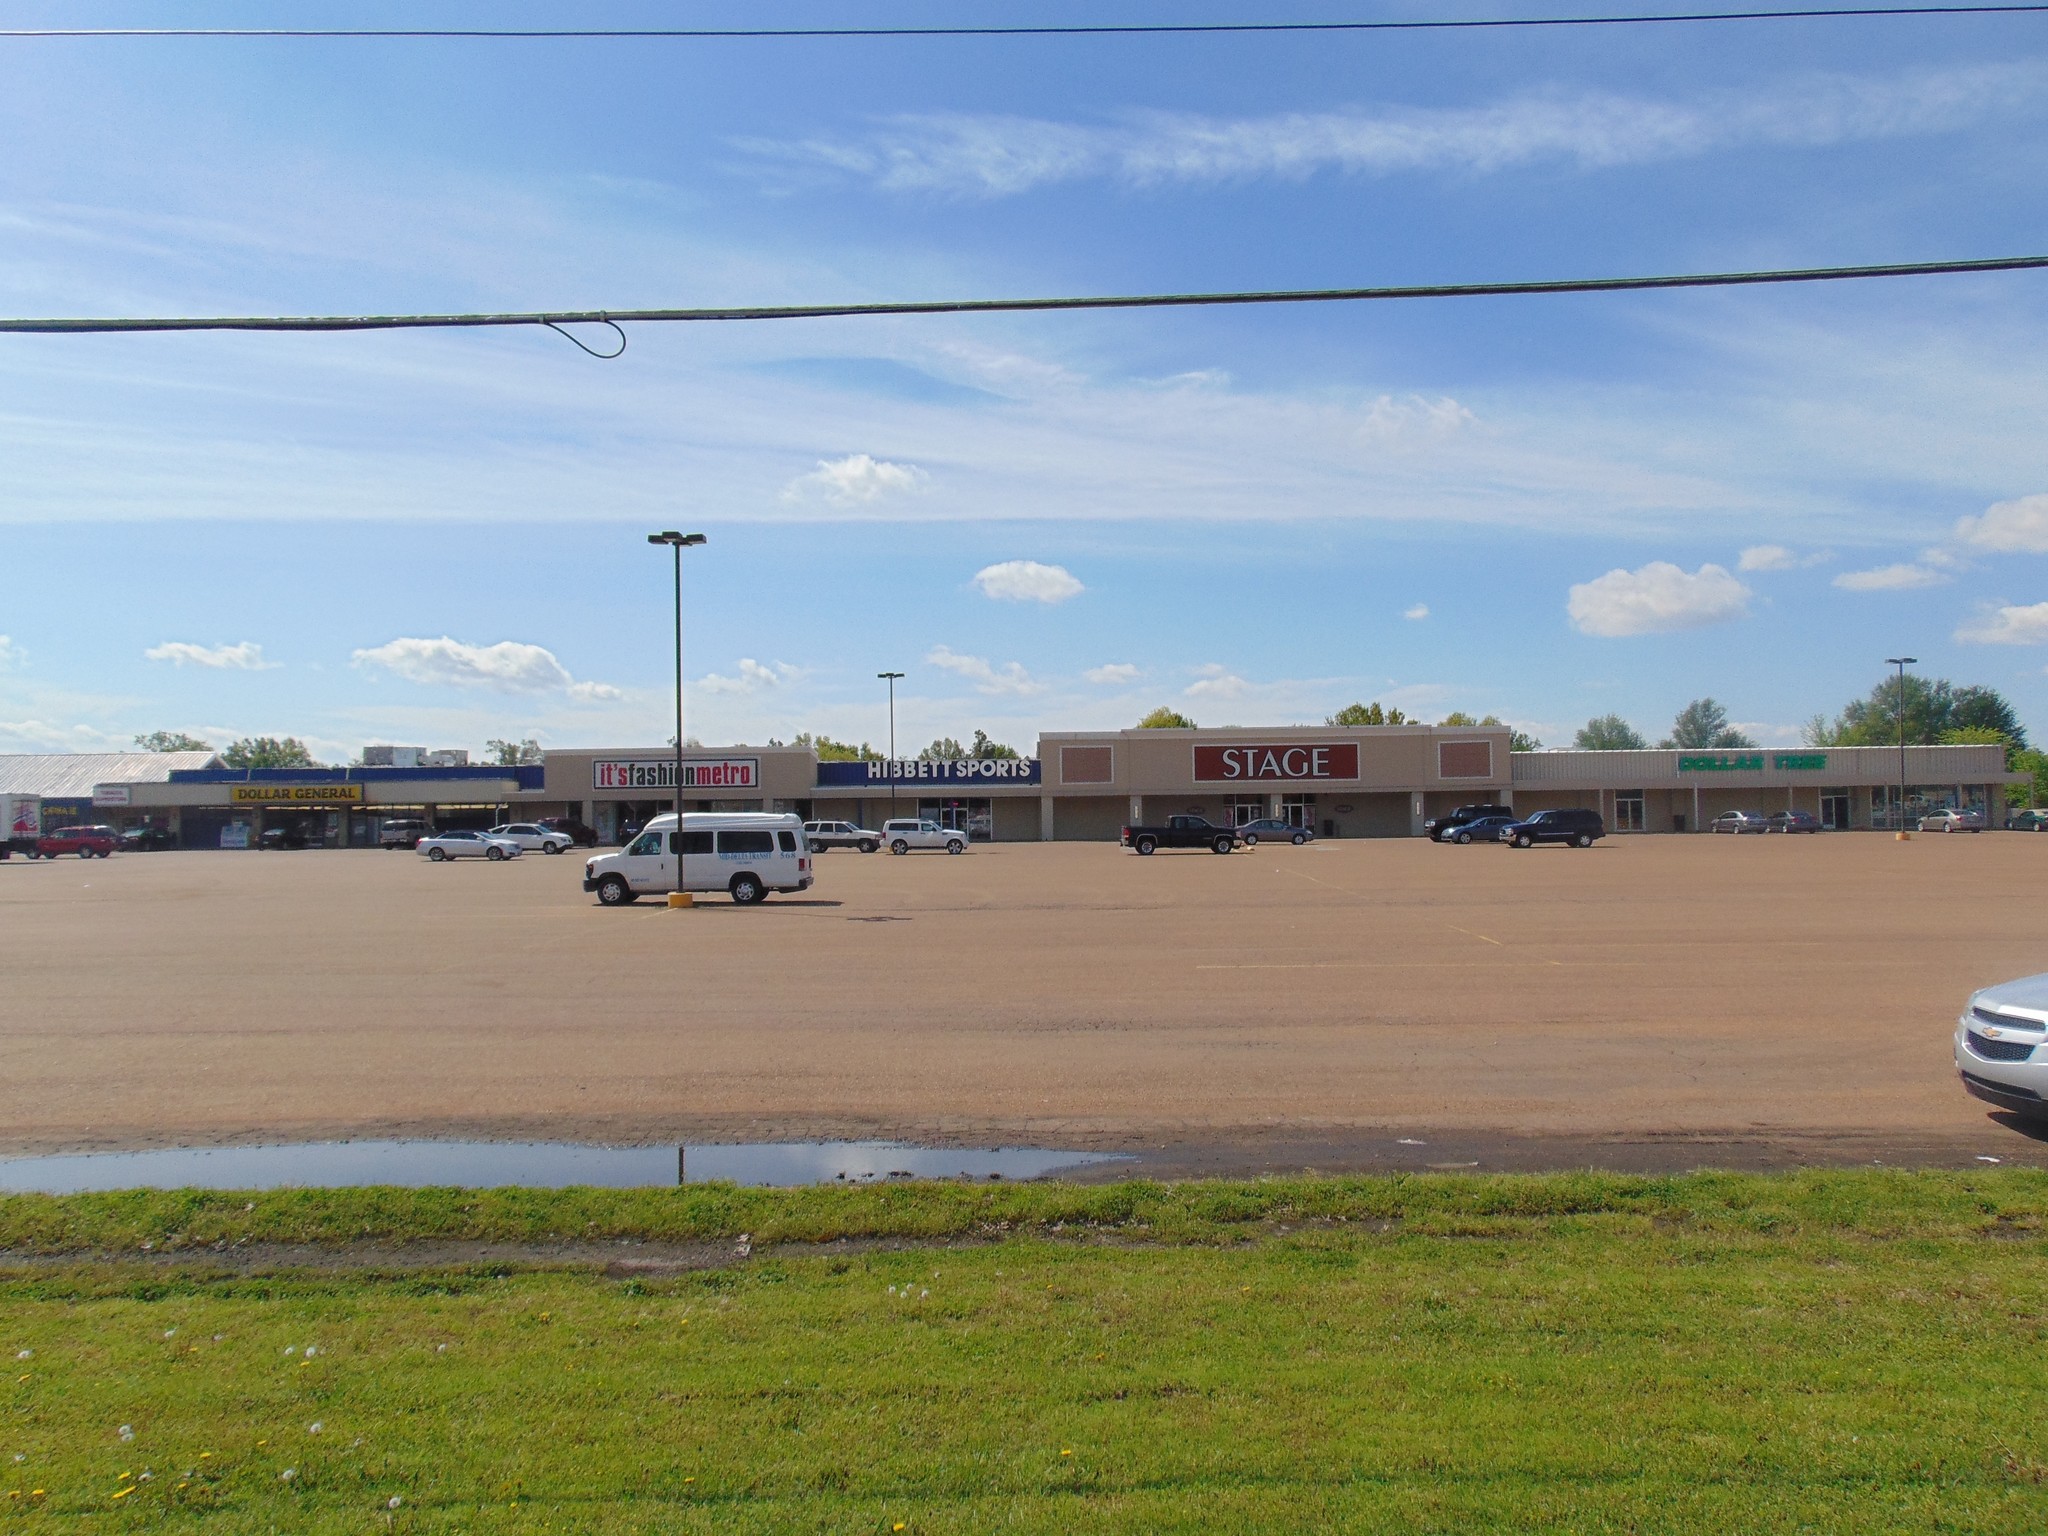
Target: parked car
{"x":1484,"y":829}
{"x":1740,"y":822}
{"x":443,"y":846}
{"x":904,"y":835}
{"x":147,"y":839}
{"x":840,"y":834}
{"x":1274,"y":829}
{"x":1953,"y":821}
{"x":531,"y":836}
{"x":1181,"y":832}
{"x":746,"y":854}
{"x":569,"y":826}
{"x":1440,"y":828}
{"x":86,"y":842}
{"x":2027,"y":821}
{"x":281,"y":837}
{"x":1579,"y":828}
{"x":1997,"y":1046}
{"x":402,"y":832}
{"x":1792,"y":821}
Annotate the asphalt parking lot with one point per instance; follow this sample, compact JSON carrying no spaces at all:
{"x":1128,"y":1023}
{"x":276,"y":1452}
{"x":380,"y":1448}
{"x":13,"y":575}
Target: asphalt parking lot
{"x":1650,"y":1002}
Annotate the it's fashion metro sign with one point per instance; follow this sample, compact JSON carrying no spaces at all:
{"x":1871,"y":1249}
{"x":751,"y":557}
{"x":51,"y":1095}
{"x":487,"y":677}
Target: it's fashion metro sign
{"x":618,"y":773}
{"x":1280,"y":763}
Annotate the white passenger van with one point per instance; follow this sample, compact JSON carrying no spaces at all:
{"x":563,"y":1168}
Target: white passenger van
{"x":744,"y":853}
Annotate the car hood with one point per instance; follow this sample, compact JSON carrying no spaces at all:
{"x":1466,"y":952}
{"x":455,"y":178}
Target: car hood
{"x":2029,"y":993}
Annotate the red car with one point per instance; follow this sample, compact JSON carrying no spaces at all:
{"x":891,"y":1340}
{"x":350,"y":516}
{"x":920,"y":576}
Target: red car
{"x":86,"y":842}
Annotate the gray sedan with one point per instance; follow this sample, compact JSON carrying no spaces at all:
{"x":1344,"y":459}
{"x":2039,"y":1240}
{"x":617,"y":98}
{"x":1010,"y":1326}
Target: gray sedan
{"x":1273,"y":829}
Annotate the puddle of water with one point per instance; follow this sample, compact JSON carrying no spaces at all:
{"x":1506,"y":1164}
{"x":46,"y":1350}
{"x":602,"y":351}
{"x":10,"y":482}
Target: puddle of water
{"x":522,"y":1164}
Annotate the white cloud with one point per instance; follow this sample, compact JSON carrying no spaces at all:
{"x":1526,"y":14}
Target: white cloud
{"x":1890,"y":578}
{"x":1658,"y":598}
{"x":1417,"y":611}
{"x":1767,"y":557}
{"x":2020,"y":526}
{"x":11,"y":655}
{"x":1009,"y":678}
{"x":510,"y":666}
{"x":854,"y":480}
{"x":753,"y":676}
{"x":1767,"y":734}
{"x":2012,"y":624}
{"x":993,"y":155}
{"x":1214,"y":681}
{"x":1113,"y":672}
{"x":246,"y":657}
{"x":1027,"y":581}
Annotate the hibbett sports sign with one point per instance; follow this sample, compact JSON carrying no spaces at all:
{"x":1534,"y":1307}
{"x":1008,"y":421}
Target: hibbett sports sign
{"x":660,"y":773}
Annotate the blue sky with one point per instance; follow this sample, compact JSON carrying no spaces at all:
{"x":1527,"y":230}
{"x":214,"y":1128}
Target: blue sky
{"x":1542,"y":508}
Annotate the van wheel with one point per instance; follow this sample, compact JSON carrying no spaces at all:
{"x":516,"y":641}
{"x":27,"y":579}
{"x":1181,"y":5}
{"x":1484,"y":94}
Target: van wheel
{"x":612,"y":891}
{"x":1583,"y":840}
{"x":869,"y":845}
{"x":1462,"y":839}
{"x":956,"y":846}
{"x":1522,"y":840}
{"x":748,"y":889}
{"x":438,"y":855}
{"x":899,"y":846}
{"x":1223,"y":844}
{"x":1146,"y":845}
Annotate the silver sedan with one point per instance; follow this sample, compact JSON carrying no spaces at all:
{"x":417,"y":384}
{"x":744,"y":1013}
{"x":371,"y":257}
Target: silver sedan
{"x":443,"y":846}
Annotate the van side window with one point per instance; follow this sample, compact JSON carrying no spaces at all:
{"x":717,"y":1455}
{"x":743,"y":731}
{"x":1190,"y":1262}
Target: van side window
{"x":749,"y":841}
{"x":694,"y":842}
{"x":646,"y":842}
{"x":787,"y":840}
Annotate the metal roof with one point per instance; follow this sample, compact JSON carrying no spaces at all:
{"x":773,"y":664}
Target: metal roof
{"x":72,"y":775}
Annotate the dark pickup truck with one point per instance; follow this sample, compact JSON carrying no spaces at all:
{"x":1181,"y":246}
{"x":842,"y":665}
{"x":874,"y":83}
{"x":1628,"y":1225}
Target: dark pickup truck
{"x":1181,"y":832}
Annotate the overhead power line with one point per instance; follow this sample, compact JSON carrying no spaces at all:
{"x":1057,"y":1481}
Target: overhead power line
{"x":1812,"y":13}
{"x":617,"y":317}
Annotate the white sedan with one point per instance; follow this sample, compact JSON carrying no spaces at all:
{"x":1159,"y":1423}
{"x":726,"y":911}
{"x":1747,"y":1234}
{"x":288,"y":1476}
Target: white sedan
{"x":532,"y":838}
{"x":443,"y":846}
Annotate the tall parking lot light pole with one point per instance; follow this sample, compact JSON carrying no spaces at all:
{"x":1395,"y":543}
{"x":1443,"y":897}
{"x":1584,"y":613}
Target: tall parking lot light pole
{"x":1902,"y":662}
{"x":891,"y":678}
{"x":677,"y":543}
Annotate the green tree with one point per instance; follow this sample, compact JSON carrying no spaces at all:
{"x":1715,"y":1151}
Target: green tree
{"x":830,"y":751}
{"x":512,"y":754}
{"x":2034,"y":764}
{"x":1932,"y":707}
{"x":1367,"y":714}
{"x":1608,"y":733}
{"x":1457,"y":717}
{"x":172,"y":741}
{"x":944,"y":750}
{"x":984,"y":748}
{"x":1703,"y":724}
{"x":1164,"y":719}
{"x":269,"y":752}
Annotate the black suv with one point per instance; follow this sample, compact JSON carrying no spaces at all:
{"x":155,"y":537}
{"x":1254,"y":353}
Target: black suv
{"x":1440,"y":828}
{"x":1579,"y":828}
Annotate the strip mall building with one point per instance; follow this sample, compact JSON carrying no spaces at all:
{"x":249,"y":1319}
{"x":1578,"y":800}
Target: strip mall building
{"x":1378,"y":781}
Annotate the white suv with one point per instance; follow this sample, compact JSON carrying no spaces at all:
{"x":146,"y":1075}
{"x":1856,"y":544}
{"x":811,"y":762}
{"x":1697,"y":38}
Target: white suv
{"x":535,"y":839}
{"x":902,"y":836}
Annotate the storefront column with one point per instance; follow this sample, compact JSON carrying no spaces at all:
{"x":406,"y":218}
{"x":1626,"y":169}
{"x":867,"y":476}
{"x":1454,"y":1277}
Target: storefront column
{"x":1045,"y":818}
{"x":1273,"y":806}
{"x":1137,"y":810}
{"x":1696,"y":809}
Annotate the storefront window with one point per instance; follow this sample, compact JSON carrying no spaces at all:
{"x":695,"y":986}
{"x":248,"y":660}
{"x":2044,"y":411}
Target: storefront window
{"x":1299,"y":811}
{"x":1628,"y":810}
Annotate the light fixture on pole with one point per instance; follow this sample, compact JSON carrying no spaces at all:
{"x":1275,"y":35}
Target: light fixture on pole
{"x":677,"y":543}
{"x":891,"y":677}
{"x":1902,"y":662}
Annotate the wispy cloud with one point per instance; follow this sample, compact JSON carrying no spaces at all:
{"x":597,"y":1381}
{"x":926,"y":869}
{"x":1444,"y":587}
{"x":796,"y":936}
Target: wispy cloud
{"x":986,"y":677}
{"x":1416,"y":611}
{"x":1215,"y":681}
{"x":245,"y":657}
{"x":1656,"y":599}
{"x":11,"y":655}
{"x":1027,"y":581}
{"x":1890,"y":578}
{"x":855,"y":479}
{"x":2019,"y":526}
{"x":999,"y":156}
{"x":752,"y":677}
{"x":509,"y":666}
{"x":1113,"y":672}
{"x":2009,"y":624}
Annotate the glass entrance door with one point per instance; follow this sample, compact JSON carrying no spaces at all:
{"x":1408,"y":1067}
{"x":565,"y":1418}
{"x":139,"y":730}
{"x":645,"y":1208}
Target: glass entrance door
{"x":974,"y":817}
{"x":1834,"y":809}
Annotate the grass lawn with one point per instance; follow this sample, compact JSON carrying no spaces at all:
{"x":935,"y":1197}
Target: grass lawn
{"x":1829,"y":1352}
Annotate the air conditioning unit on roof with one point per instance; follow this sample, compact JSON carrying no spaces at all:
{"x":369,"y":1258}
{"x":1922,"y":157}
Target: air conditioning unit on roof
{"x":445,"y":757}
{"x":392,"y":757}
